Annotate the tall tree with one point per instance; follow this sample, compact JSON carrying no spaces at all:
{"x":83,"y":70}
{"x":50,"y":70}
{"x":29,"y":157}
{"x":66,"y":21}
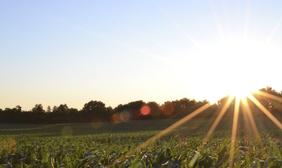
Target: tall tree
{"x":48,"y":109}
{"x":96,"y":110}
{"x":38,"y":108}
{"x":63,"y":108}
{"x":18,"y":108}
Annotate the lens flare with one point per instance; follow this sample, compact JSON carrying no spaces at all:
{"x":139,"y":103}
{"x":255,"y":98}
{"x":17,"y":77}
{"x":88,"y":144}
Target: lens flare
{"x":145,"y":110}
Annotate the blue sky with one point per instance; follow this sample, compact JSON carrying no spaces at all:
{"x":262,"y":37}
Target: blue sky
{"x":54,"y":52}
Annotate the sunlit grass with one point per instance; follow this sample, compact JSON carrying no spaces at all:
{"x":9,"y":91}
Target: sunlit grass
{"x":266,"y":112}
{"x":247,"y":113}
{"x":234,"y":132}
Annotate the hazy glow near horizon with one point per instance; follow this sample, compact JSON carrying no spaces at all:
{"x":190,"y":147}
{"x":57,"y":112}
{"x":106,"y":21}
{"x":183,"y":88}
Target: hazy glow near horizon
{"x":235,"y":67}
{"x":72,"y":52}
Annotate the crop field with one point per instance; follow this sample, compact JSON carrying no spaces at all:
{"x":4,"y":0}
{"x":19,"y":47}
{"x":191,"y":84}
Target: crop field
{"x":116,"y":145}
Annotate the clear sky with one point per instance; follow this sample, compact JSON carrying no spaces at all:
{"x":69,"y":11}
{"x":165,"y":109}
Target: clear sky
{"x":116,"y":51}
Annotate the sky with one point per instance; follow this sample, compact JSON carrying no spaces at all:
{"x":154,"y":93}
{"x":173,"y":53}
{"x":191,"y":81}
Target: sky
{"x":73,"y":51}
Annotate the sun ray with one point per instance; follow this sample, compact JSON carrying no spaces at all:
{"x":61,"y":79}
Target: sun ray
{"x":268,"y":95}
{"x":179,"y":27}
{"x":234,"y":132}
{"x":266,"y":111}
{"x":168,"y":130}
{"x":174,"y":126}
{"x":186,"y":34}
{"x":127,"y":45}
{"x":218,"y":24}
{"x":249,"y":116}
{"x":274,"y":31}
{"x":247,"y":19}
{"x":218,"y":119}
{"x":212,"y":128}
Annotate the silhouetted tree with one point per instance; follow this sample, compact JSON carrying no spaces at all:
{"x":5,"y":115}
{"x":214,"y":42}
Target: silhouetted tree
{"x":49,"y":109}
{"x":38,"y":108}
{"x":155,"y":109}
{"x":168,"y":109}
{"x":270,"y":90}
{"x":73,"y":110}
{"x":94,"y":107}
{"x":96,"y":111}
{"x":133,"y":108}
{"x":18,"y":109}
{"x":63,"y":108}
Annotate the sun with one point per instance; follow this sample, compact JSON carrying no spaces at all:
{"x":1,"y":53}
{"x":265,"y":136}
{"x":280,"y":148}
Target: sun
{"x":233,"y":67}
{"x":241,"y":93}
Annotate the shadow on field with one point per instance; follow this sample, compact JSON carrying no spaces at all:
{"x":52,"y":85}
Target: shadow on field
{"x":195,"y":127}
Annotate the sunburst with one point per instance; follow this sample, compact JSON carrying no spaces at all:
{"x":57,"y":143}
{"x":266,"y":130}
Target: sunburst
{"x":240,"y":83}
{"x":239,"y":101}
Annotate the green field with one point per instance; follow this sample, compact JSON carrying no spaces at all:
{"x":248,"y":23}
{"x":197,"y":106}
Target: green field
{"x":114,"y":145}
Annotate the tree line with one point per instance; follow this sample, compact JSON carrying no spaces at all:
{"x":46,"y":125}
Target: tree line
{"x":97,"y":111}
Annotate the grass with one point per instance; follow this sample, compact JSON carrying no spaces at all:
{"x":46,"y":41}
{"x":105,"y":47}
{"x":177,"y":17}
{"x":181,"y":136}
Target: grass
{"x":114,"y":145}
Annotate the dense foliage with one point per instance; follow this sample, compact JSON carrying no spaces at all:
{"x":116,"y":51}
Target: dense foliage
{"x":96,"y":111}
{"x":111,"y":150}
